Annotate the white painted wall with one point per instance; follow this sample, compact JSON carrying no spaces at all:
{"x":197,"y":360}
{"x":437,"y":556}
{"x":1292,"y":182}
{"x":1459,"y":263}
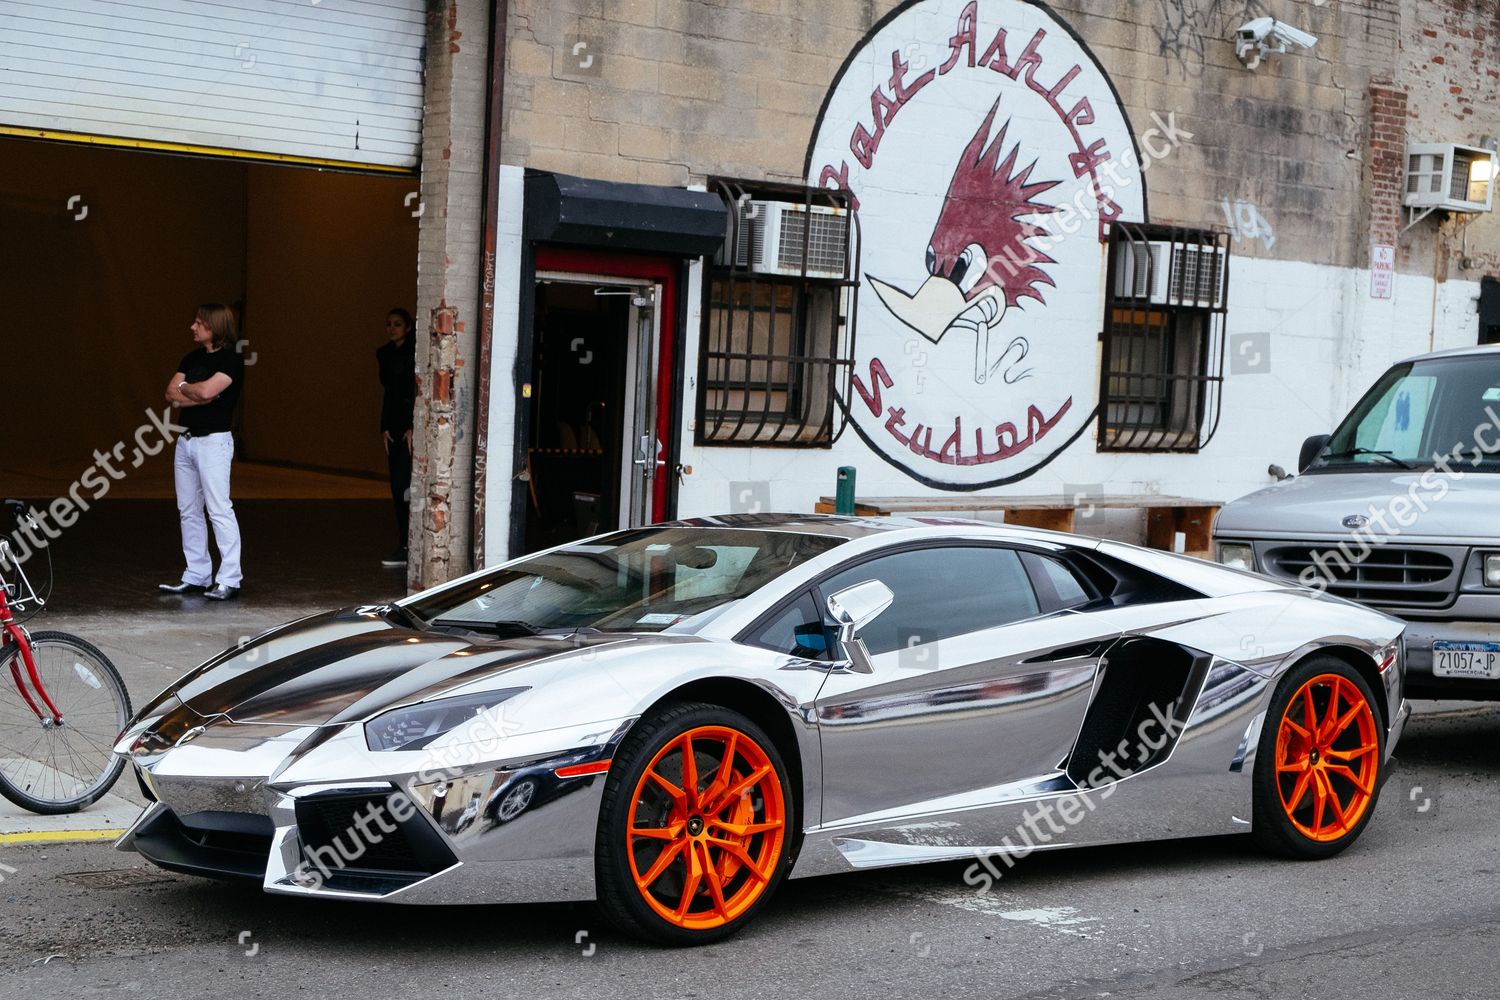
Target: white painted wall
{"x":505,"y":341}
{"x":1328,"y":342}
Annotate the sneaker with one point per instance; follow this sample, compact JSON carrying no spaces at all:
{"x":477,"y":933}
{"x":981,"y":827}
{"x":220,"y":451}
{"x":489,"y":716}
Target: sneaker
{"x":397,"y":558}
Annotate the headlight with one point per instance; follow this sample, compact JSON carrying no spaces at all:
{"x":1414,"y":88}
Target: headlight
{"x":1237,"y":556}
{"x":1492,"y":570}
{"x":415,"y":726}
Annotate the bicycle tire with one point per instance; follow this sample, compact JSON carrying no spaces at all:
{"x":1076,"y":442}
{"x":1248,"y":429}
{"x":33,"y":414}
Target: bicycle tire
{"x":108,"y":679}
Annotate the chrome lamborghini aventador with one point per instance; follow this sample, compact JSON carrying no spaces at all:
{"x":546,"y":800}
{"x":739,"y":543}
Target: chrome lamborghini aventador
{"x":673,"y":719}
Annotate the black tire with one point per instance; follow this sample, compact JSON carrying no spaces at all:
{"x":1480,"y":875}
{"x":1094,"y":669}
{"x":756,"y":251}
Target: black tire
{"x":18,"y":725}
{"x":622,"y":901}
{"x":1273,"y":826}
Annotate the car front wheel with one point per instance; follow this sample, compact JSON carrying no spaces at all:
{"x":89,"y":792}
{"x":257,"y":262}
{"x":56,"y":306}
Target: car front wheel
{"x":696,"y":826}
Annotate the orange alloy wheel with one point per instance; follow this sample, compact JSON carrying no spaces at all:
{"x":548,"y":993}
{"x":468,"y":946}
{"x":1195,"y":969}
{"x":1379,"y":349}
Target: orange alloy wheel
{"x":1327,"y":756}
{"x":707,"y":826}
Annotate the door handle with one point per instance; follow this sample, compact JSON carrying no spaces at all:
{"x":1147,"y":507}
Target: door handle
{"x":1083,"y":650}
{"x":649,"y":465}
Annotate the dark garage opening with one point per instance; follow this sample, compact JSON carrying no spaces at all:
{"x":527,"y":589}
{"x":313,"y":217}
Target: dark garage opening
{"x":107,"y":253}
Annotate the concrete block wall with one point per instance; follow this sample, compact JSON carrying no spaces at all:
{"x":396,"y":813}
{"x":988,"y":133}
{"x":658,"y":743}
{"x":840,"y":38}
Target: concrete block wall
{"x":1301,"y":159}
{"x":672,"y":91}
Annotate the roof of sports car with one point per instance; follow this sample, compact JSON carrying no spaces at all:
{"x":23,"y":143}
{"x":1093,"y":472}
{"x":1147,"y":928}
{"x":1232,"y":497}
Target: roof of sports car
{"x":830,"y":524}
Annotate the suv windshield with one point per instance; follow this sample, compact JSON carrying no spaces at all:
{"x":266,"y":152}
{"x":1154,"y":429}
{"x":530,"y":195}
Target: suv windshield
{"x":642,"y":580}
{"x":1419,"y":412}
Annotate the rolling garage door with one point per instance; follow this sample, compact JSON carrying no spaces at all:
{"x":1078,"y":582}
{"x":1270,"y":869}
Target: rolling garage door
{"x":336,"y":82}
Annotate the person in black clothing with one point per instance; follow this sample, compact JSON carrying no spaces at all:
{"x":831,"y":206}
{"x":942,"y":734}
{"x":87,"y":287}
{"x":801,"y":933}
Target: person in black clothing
{"x":397,"y":360}
{"x":206,"y":388}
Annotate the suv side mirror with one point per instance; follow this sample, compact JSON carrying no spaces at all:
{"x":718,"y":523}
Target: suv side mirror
{"x":1311,"y":449}
{"x":853,"y":608}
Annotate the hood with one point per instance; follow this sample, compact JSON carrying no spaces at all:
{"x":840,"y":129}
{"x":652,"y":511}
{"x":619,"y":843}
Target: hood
{"x":1314,"y":506}
{"x":348,"y":665}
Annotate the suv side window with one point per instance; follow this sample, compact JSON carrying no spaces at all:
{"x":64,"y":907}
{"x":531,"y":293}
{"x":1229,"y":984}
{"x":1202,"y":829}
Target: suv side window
{"x":797,"y":631}
{"x":941,"y":592}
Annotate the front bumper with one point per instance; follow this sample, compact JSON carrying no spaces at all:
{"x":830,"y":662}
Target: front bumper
{"x":1421,"y":682}
{"x":497,"y":832}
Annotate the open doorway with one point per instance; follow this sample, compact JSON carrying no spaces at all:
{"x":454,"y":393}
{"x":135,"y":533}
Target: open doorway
{"x":591,"y":420}
{"x":110,"y":252}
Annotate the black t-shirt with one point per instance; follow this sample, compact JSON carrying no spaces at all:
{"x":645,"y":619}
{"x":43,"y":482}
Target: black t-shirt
{"x":398,"y":375}
{"x":200,"y":366}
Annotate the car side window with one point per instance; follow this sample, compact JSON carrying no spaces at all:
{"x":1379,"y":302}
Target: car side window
{"x":941,"y":592}
{"x":1058,"y":586}
{"x":797,"y":631}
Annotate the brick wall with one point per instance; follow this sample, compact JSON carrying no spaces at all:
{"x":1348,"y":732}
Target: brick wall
{"x":1388,"y":121}
{"x":1451,"y":70}
{"x":448,"y":273}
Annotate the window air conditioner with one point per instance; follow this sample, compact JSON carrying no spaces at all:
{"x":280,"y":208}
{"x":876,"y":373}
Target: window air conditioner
{"x":1449,"y":177}
{"x":1172,"y":274}
{"x":771,"y":236}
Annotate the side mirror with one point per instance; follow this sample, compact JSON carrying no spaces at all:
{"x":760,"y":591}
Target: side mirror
{"x":853,"y":608}
{"x":1311,"y":449}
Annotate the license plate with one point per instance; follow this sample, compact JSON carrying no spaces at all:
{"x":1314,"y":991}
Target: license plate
{"x":1466,"y":659}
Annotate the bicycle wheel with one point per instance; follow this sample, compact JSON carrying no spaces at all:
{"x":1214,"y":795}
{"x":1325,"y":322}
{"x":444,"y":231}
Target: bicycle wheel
{"x":49,"y":768}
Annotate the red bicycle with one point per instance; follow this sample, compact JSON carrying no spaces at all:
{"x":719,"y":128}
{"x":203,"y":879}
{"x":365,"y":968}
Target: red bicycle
{"x":64,"y":705}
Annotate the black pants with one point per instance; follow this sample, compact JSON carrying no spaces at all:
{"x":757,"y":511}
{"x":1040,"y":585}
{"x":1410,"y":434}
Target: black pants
{"x":399,"y":460}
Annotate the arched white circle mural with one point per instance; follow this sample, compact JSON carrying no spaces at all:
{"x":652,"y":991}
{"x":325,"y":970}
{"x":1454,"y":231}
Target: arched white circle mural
{"x":987,"y":152}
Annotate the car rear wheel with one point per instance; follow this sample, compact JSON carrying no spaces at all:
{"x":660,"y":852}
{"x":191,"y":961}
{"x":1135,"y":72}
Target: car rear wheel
{"x":696,"y":826}
{"x":1318,"y":767}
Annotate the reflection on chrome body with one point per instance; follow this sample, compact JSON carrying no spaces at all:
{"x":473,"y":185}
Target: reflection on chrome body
{"x":936,"y":753}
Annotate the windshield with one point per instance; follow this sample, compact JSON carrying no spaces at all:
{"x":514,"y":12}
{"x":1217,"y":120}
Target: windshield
{"x":642,"y":580}
{"x":1420,"y":412}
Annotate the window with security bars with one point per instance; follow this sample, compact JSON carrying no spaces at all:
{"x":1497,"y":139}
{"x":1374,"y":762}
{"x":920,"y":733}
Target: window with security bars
{"x":1163,"y":341}
{"x":778,"y":324}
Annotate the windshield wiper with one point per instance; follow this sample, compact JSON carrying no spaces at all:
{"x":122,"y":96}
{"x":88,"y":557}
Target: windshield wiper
{"x":1388,"y":456}
{"x":503,"y":629}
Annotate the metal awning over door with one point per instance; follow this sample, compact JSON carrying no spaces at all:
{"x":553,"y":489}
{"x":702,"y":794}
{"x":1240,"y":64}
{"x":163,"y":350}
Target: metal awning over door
{"x":332,"y":82}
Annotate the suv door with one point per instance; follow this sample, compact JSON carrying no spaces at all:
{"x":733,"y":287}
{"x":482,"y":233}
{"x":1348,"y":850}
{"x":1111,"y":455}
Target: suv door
{"x":978,"y":683}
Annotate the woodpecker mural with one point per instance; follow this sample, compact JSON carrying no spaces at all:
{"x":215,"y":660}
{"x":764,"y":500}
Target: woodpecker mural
{"x":978,"y":257}
{"x":987,"y":154}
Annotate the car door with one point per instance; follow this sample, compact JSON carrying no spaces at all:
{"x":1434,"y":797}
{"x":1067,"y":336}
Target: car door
{"x":982,"y":673}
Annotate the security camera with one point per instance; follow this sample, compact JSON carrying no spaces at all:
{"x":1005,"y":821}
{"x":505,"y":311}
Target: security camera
{"x":1256,"y":39}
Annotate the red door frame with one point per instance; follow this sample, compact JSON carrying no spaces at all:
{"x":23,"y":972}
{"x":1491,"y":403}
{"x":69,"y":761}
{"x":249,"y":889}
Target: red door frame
{"x":665,"y":271}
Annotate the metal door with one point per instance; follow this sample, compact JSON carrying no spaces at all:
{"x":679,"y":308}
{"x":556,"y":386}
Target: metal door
{"x":648,"y":457}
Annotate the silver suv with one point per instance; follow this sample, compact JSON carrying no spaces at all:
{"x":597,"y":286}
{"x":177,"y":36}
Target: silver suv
{"x":1399,"y":509}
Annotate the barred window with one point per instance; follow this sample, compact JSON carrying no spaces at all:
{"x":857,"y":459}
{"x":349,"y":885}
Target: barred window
{"x":1163,"y":357}
{"x":778,"y":323}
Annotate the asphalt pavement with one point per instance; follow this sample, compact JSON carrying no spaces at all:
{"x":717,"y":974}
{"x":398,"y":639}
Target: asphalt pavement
{"x":1411,"y":910}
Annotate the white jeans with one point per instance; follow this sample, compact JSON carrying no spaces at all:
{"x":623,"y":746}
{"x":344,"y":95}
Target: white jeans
{"x":201,"y":468}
